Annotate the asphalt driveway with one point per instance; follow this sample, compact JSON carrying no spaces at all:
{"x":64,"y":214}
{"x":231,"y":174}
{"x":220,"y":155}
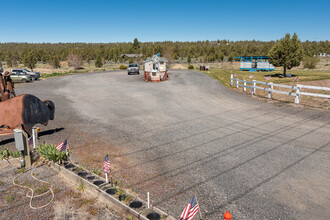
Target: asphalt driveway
{"x":191,"y":135}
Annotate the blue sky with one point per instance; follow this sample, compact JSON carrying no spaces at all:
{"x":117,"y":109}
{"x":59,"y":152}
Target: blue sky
{"x":121,"y":21}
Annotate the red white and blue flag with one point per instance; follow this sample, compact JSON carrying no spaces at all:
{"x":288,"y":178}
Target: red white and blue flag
{"x":63,"y":146}
{"x":106,"y":165}
{"x":191,"y":210}
{"x":251,"y":76}
{"x":296,"y":79}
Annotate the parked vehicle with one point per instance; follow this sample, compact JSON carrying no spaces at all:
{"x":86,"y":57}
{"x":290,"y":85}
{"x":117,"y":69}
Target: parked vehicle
{"x":20,"y":77}
{"x":133,"y":68}
{"x":34,"y":75}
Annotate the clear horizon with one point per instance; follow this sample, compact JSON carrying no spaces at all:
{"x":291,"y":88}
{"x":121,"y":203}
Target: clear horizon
{"x":102,"y":21}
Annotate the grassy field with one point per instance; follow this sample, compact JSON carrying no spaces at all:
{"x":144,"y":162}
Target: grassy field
{"x":223,"y":75}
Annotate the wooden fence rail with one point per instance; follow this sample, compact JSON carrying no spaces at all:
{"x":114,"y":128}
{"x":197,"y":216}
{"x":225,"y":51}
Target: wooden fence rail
{"x":270,"y":88}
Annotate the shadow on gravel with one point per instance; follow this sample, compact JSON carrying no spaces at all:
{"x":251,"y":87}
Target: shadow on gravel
{"x":7,"y":141}
{"x":48,"y":132}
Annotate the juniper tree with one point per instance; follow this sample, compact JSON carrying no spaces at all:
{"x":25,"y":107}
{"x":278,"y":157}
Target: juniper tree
{"x":98,"y":62}
{"x":136,"y":44}
{"x":286,"y":53}
{"x":30,"y":60}
{"x":54,"y":62}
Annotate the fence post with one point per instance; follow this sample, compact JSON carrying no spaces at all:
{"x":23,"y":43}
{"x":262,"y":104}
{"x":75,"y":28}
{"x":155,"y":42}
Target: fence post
{"x":253,"y":87}
{"x":237,"y":83}
{"x":270,"y":90}
{"x":297,"y":99}
{"x":231,"y":79}
{"x":244,"y":84}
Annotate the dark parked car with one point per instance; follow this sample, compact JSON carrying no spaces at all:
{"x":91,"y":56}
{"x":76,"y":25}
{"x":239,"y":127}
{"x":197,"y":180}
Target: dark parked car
{"x":133,"y":68}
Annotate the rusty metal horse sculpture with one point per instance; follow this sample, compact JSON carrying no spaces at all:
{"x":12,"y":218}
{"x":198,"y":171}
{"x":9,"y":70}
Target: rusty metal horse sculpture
{"x":22,"y":111}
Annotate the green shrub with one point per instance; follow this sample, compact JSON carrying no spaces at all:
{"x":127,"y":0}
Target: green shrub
{"x":190,"y":67}
{"x":97,"y":172}
{"x":310,"y":62}
{"x":51,"y":153}
{"x":15,"y":154}
{"x":123,"y":67}
{"x":4,"y":154}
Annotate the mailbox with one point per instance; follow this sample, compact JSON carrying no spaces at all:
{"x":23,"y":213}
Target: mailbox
{"x":19,"y":139}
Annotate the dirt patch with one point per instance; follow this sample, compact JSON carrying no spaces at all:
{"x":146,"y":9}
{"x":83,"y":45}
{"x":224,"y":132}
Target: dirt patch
{"x":69,"y":202}
{"x":179,"y":67}
{"x":64,"y":63}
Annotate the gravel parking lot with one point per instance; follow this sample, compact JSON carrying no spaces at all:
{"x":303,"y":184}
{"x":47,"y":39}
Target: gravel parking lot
{"x":191,"y":134}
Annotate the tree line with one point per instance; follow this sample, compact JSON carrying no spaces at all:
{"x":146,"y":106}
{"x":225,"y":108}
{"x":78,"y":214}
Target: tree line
{"x":199,"y":51}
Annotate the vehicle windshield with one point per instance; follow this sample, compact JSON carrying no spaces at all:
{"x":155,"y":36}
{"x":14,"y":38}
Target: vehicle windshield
{"x":133,"y":65}
{"x":27,"y":70}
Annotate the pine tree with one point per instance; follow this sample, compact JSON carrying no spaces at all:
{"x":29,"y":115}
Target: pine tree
{"x":286,"y":53}
{"x":9,"y":61}
{"x":30,"y":60}
{"x":98,"y":62}
{"x":136,"y":44}
{"x":189,"y":59}
{"x":55,"y":62}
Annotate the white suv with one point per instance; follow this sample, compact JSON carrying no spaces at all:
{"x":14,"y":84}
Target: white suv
{"x":133,"y":68}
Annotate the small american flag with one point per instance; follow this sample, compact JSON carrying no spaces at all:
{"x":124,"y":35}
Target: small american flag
{"x":267,"y":77}
{"x":235,"y":75}
{"x":106,"y":165}
{"x":251,"y":76}
{"x":191,"y":210}
{"x":296,"y":79}
{"x":62,"y":146}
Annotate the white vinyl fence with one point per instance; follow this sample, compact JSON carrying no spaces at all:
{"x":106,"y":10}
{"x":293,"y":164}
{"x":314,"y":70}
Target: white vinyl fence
{"x":270,"y":88}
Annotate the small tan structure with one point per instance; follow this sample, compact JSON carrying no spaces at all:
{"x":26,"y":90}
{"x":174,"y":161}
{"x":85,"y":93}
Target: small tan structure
{"x":155,"y":69}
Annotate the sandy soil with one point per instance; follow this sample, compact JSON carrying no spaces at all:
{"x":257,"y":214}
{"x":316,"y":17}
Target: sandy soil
{"x":69,"y":202}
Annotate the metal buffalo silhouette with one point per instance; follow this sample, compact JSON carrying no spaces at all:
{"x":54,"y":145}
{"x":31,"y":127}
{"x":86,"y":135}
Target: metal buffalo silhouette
{"x":24,"y":112}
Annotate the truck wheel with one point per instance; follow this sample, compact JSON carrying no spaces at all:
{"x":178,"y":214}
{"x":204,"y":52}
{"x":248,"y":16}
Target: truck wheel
{"x":24,"y":81}
{"x":33,"y":78}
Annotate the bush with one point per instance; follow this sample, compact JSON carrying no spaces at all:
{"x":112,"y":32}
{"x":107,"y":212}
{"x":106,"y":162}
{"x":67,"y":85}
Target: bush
{"x":74,"y":60}
{"x":98,"y":62}
{"x":310,"y":62}
{"x":4,"y":154}
{"x":51,"y":153}
{"x":15,"y":154}
{"x":122,"y":67}
{"x":190,"y":67}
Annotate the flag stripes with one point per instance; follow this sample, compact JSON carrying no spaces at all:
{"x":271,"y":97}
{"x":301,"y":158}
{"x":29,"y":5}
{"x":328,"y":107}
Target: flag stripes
{"x":63,"y":146}
{"x":190,"y":210}
{"x":106,"y":165}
